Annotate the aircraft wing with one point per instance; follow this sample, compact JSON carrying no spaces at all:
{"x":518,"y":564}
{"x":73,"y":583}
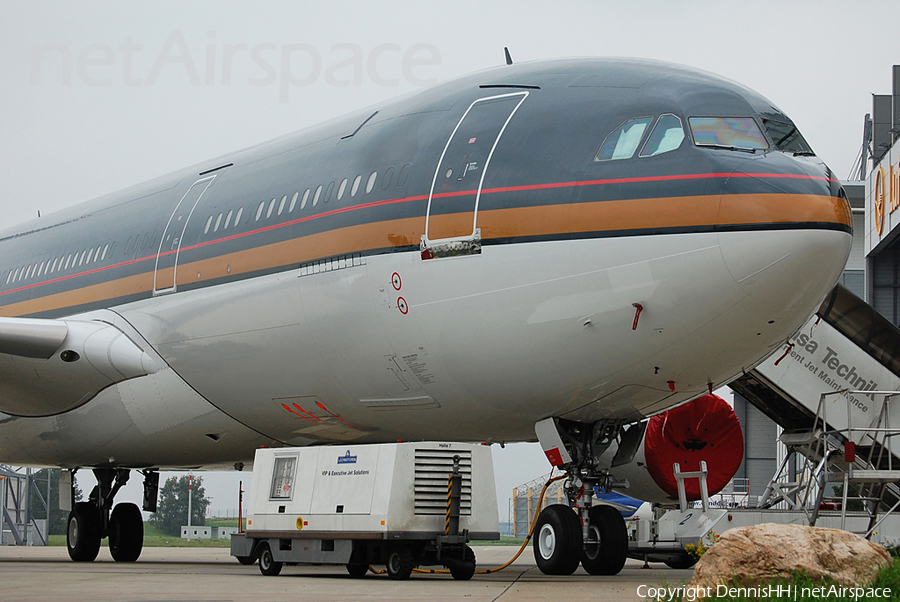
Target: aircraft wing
{"x":52,"y":366}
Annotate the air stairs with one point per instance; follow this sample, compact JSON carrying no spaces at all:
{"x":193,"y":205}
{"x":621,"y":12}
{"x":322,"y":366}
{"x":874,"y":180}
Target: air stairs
{"x":18,"y":525}
{"x":859,"y":459}
{"x":835,"y":391}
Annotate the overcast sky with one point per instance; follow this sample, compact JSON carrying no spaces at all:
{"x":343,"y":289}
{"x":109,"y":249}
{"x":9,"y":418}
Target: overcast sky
{"x":97,"y":96}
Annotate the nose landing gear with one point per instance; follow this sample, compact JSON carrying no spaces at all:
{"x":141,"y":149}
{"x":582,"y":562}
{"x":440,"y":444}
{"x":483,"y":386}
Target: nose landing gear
{"x":91,"y":521}
{"x":565,"y":535}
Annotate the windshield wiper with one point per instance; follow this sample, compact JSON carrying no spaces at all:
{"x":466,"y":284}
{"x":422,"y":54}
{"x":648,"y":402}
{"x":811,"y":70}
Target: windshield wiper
{"x":804,"y":153}
{"x":731,"y":148}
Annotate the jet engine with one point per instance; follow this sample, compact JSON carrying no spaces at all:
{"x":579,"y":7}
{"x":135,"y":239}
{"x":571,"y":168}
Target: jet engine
{"x":703,"y":429}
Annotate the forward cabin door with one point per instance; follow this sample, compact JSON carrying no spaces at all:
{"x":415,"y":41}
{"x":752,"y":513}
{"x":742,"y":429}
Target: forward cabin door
{"x":451,"y":223}
{"x":170,"y":245}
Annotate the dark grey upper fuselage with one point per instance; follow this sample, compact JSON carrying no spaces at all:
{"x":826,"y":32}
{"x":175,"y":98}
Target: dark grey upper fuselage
{"x":572,"y":105}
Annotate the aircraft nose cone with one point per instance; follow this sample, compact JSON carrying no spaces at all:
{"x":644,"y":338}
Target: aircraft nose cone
{"x":785,"y":237}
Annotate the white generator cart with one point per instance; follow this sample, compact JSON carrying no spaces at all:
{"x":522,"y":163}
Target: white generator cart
{"x":400,"y":505}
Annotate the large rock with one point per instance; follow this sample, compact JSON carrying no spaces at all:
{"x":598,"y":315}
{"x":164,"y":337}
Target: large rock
{"x":762,"y":553}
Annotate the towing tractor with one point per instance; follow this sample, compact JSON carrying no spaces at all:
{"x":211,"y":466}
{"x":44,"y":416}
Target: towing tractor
{"x":400,"y":505}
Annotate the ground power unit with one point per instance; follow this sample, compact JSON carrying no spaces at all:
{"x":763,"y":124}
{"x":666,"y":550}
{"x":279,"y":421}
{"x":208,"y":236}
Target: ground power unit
{"x":401,"y":505}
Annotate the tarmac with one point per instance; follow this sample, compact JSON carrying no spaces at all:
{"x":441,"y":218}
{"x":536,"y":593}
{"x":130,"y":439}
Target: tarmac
{"x":211,"y":574}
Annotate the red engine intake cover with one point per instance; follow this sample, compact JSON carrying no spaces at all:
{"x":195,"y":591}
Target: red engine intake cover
{"x":704,"y":429}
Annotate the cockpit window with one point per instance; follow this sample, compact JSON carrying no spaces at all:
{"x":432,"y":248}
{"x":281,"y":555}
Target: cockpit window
{"x":624,"y":140}
{"x":666,"y":136}
{"x":739,"y":133}
{"x":787,"y":137}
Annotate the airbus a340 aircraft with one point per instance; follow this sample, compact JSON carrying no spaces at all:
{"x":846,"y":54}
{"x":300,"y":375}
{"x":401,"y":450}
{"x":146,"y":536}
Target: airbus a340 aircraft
{"x":572,"y":244}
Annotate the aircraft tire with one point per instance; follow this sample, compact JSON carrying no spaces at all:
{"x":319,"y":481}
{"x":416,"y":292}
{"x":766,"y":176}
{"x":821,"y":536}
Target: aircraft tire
{"x":466,"y":569}
{"x":357,"y":570}
{"x":607,"y":557}
{"x":126,"y":532}
{"x":557,"y":540}
{"x":83,"y":532}
{"x":267,"y":564}
{"x":400,"y":564}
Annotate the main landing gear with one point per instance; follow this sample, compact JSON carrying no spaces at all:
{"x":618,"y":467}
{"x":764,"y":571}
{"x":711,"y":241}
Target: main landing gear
{"x":566,"y":535}
{"x":123,"y":525}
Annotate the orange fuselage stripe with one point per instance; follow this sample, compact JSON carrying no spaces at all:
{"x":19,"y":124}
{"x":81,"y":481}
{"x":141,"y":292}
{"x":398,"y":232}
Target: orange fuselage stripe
{"x":543,"y":220}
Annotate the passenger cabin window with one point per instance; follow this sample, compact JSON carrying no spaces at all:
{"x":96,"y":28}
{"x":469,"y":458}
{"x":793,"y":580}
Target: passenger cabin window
{"x":737,"y":133}
{"x":283,"y":479}
{"x":787,"y":137}
{"x":401,"y":177}
{"x":624,"y":140}
{"x":666,"y":136}
{"x":316,"y":197}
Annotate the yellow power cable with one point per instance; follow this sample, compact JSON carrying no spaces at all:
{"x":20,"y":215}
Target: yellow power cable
{"x":513,"y":559}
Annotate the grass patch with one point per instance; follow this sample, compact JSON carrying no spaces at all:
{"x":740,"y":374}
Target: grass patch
{"x":154,"y":538}
{"x":803,"y":588}
{"x":223,"y":522}
{"x":504,"y":540}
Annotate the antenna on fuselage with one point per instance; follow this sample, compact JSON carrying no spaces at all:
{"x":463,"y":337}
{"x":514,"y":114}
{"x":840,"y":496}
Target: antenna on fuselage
{"x":508,"y":58}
